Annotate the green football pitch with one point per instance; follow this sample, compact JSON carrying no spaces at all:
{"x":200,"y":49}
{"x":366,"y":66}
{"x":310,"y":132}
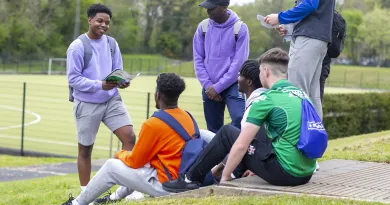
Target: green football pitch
{"x":49,"y":123}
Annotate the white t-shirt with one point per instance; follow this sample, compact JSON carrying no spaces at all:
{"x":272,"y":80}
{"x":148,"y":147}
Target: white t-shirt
{"x":248,"y":102}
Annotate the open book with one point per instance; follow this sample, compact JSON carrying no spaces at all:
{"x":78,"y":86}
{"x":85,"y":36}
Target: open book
{"x":119,"y":75}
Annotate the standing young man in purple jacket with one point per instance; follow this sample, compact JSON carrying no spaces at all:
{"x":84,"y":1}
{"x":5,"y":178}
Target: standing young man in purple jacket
{"x":221,"y":46}
{"x":310,"y":39}
{"x":96,"y":100}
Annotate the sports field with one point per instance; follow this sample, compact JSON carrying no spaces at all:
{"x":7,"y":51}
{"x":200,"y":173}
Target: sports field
{"x":49,"y":124}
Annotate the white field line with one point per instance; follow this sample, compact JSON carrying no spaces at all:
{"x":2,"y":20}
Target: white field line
{"x":49,"y":142}
{"x":38,"y":117}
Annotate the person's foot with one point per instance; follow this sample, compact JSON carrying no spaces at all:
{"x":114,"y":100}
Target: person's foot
{"x":69,"y":202}
{"x":136,"y":195}
{"x":180,"y":185}
{"x":105,"y":200}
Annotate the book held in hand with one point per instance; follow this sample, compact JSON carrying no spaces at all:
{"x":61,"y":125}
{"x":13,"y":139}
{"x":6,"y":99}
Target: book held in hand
{"x":120,"y":76}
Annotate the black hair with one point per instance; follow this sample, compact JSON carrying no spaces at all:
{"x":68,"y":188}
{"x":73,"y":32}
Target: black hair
{"x":251,"y":71}
{"x":170,"y":86}
{"x":98,"y":8}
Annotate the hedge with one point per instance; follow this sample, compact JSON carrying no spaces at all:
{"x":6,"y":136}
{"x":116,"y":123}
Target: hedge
{"x":353,"y":114}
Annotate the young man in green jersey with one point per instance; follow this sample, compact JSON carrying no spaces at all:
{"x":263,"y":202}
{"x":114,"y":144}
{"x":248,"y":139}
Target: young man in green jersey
{"x":272,"y":156}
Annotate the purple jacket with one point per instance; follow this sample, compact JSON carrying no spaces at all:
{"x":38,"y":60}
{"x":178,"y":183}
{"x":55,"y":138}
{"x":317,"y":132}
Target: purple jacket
{"x":218,"y":56}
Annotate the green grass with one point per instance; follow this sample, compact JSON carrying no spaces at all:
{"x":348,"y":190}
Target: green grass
{"x":55,"y":132}
{"x":15,"y":161}
{"x":55,"y":190}
{"x":373,"y":147}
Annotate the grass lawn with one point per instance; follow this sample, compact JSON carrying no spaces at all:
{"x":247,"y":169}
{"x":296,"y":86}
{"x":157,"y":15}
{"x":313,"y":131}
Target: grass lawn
{"x":54,"y":190}
{"x":15,"y":161}
{"x":50,"y":124}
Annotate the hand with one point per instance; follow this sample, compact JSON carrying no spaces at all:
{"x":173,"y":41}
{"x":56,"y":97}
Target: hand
{"x":272,"y":19}
{"x":226,"y":178}
{"x":123,"y":85}
{"x":282,"y":31}
{"x":212,"y":94}
{"x":108,"y":85}
{"x":248,"y":173}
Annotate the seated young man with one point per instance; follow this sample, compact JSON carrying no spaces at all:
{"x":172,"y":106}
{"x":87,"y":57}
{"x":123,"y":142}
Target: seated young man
{"x":273,"y":156}
{"x":249,"y":84}
{"x":141,"y":169}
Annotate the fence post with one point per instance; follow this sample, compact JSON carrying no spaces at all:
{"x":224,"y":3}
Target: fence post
{"x":345,"y":77}
{"x":23,"y":109}
{"x":378,"y":80}
{"x":110,"y":154}
{"x":148,"y":106}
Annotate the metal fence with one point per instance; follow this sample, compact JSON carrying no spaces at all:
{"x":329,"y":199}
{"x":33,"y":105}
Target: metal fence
{"x":37,"y":116}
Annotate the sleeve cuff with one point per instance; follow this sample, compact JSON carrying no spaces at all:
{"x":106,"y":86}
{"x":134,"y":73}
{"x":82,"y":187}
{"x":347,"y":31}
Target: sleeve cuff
{"x":218,"y":88}
{"x":254,"y":121}
{"x":99,"y":85}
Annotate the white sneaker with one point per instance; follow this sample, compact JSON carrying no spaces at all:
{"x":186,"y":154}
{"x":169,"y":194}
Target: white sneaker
{"x":136,"y":195}
{"x":317,"y":167}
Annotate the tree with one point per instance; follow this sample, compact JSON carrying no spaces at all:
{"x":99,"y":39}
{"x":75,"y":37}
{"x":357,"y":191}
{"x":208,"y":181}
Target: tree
{"x":375,"y":33}
{"x":354,"y":19}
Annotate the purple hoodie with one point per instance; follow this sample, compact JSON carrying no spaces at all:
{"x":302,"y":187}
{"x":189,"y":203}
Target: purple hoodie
{"x":88,"y":84}
{"x":218,"y":57}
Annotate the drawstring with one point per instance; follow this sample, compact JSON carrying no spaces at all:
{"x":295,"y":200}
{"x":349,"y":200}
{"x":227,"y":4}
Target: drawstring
{"x":220,"y":43}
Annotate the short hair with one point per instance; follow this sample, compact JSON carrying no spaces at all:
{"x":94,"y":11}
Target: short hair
{"x":98,"y":8}
{"x":277,"y":58}
{"x":250,"y":70}
{"x":170,"y":86}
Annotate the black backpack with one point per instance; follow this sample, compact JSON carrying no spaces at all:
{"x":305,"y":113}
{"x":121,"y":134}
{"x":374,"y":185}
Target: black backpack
{"x":339,"y":33}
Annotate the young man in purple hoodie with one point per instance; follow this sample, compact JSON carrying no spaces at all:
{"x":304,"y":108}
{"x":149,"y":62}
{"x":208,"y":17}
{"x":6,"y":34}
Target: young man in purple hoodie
{"x":96,"y":100}
{"x":218,"y":56}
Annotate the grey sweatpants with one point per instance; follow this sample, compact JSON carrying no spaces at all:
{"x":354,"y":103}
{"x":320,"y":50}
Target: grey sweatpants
{"x":304,"y":69}
{"x":113,"y":172}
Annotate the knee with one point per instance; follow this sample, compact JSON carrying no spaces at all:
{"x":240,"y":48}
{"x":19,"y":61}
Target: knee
{"x":85,"y":152}
{"x":111,"y":164}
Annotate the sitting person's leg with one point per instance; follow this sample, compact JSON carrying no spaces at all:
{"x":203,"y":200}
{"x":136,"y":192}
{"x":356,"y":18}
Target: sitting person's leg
{"x":115,"y":172}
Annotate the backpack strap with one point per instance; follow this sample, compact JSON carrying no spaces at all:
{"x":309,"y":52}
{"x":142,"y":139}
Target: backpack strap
{"x":237,"y":28}
{"x":175,"y":125}
{"x":204,"y":25}
{"x":112,"y":44}
{"x":87,"y":50}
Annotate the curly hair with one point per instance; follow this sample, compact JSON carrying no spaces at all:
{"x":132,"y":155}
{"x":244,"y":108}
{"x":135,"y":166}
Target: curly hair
{"x":170,"y":86}
{"x":98,"y":8}
{"x":250,"y":70}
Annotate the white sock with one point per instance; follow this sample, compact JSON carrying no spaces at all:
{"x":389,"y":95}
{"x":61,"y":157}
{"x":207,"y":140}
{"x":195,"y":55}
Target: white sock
{"x":74,"y":202}
{"x":114,"y":196}
{"x":232,"y":175}
{"x":187,"y":180}
{"x":83,"y":188}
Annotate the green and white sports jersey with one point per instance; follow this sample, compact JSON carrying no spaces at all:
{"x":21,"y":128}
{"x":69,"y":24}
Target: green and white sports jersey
{"x":280,"y":111}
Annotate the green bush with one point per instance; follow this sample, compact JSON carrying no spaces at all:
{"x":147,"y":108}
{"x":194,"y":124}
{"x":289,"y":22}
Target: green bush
{"x":354,"y":114}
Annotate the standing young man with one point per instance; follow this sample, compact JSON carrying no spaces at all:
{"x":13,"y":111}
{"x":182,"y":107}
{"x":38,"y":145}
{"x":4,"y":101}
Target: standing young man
{"x":218,"y":55}
{"x":309,"y":44}
{"x":96,"y":100}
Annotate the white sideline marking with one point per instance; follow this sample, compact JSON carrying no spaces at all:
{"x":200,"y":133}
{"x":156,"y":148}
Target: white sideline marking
{"x":38,"y":117}
{"x":50,"y":142}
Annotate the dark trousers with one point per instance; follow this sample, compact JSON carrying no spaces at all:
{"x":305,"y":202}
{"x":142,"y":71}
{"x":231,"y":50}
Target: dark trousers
{"x":260,"y":159}
{"x":214,"y":111}
{"x":324,"y":74}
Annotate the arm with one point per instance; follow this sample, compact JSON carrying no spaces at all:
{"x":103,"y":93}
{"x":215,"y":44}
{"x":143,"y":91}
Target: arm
{"x":241,"y":55}
{"x":299,"y":12}
{"x":143,"y":151}
{"x":239,"y":149}
{"x":74,"y":67}
{"x":258,"y":113}
{"x":199,"y":57}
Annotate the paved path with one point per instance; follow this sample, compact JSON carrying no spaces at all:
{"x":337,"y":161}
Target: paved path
{"x":38,"y":171}
{"x":337,"y":178}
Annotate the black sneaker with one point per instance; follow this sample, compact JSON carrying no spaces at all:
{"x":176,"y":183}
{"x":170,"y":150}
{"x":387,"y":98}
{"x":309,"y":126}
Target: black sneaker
{"x":69,"y":202}
{"x":105,"y":199}
{"x":180,"y":185}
